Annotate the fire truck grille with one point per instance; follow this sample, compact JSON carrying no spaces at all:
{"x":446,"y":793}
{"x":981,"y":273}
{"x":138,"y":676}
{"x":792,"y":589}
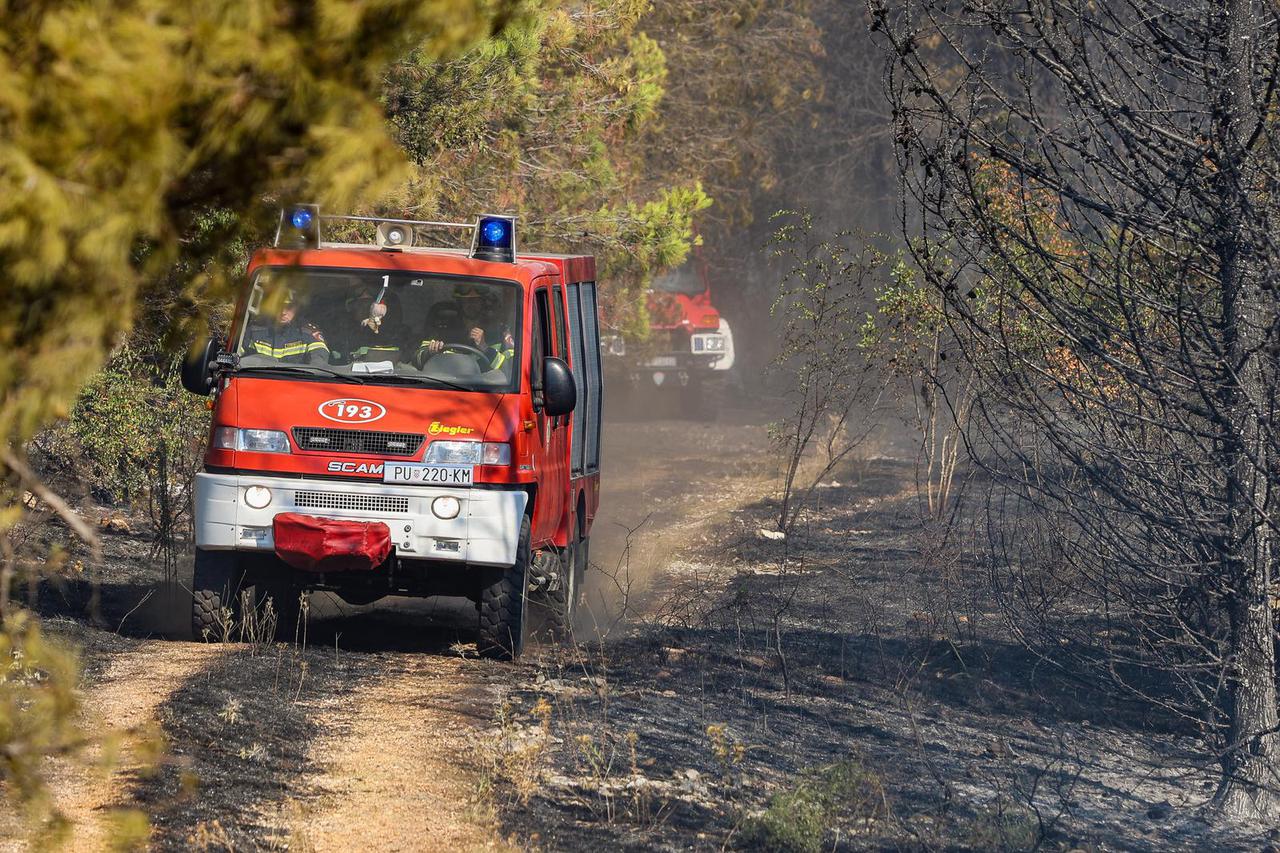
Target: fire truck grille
{"x":358,"y":441}
{"x":365,"y":503}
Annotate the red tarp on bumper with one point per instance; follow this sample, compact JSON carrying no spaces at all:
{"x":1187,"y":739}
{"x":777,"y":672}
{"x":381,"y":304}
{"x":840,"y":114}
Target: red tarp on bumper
{"x":330,"y":544}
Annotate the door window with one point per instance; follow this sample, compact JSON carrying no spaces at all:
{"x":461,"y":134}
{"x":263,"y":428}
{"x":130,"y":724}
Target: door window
{"x":541,"y":340}
{"x":562,"y":340}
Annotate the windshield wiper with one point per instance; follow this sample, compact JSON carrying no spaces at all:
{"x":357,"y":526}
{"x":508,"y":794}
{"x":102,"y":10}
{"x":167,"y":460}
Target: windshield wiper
{"x":419,"y":380}
{"x":291,"y":368}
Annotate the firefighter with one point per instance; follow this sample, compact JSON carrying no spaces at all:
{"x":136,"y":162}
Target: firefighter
{"x":286,"y":337}
{"x":460,"y":321}
{"x":502,"y":352}
{"x":377,"y":329}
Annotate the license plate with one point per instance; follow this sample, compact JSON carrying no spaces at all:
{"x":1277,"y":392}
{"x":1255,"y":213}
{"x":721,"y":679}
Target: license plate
{"x":661,"y":361}
{"x":428,"y":475}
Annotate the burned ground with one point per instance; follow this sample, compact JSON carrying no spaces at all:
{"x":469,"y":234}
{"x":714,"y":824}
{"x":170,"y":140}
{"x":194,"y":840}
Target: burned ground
{"x":858,"y":649}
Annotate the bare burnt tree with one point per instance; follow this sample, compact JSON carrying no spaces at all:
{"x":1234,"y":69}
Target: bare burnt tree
{"x":832,"y":395}
{"x":1091,"y":188}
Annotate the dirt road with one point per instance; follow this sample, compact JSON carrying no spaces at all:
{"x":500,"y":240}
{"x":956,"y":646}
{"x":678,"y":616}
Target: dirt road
{"x":402,"y":764}
{"x":369,"y":736}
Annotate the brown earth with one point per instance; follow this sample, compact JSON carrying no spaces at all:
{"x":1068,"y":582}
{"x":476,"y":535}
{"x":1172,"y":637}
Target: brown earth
{"x":402,"y":770}
{"x":123,"y":698}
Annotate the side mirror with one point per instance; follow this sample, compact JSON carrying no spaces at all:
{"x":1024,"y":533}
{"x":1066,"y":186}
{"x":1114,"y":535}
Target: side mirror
{"x":197,"y":367}
{"x":559,"y":390}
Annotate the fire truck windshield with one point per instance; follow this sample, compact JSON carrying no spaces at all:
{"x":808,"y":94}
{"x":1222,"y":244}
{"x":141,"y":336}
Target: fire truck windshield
{"x":381,"y":327}
{"x":683,"y":280}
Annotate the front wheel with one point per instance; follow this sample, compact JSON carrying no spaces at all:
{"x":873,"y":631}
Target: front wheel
{"x":504,"y":603}
{"x":216,"y":602}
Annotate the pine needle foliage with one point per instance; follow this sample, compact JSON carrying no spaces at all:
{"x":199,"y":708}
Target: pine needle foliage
{"x":122,"y":124}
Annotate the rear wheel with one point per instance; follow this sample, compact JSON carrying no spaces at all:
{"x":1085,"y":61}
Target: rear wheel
{"x":503,"y":605}
{"x":216,"y":587}
{"x":562,"y":603}
{"x":582,"y":562}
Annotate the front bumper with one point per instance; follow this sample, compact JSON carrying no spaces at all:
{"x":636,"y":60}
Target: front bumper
{"x":486,"y":531}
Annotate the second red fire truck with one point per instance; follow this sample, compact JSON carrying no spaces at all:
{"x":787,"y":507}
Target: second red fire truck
{"x":399,"y":419}
{"x":689,"y":353}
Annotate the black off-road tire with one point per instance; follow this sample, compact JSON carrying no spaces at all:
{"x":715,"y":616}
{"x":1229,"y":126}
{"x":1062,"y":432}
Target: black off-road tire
{"x":562,"y":604}
{"x":582,"y":562}
{"x":216,"y":585}
{"x":504,"y":603}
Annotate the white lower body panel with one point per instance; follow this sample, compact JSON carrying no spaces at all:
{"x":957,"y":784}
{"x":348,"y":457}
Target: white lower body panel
{"x":485,"y":532}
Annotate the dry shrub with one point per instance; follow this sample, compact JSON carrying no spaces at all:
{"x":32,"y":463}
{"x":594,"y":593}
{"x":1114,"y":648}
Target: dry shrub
{"x":799,"y":819}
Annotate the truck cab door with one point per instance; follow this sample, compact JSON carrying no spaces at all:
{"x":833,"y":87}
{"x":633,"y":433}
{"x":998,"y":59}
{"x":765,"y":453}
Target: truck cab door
{"x":551,"y":456}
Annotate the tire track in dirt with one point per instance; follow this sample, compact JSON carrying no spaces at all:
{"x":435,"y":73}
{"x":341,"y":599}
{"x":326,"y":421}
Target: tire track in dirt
{"x":124,"y":698}
{"x":402,"y":773}
{"x":665,"y":482}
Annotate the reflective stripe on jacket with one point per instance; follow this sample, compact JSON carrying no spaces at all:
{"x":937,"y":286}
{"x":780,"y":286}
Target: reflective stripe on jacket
{"x":289,"y":342}
{"x":498,"y":355}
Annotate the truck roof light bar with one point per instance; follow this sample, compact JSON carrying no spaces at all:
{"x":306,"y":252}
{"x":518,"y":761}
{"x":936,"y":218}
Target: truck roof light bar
{"x":395,"y":234}
{"x":493,"y":237}
{"x":390,"y":221}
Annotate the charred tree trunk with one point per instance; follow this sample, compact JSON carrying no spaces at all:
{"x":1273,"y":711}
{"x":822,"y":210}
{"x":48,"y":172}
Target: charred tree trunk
{"x":1248,"y":786}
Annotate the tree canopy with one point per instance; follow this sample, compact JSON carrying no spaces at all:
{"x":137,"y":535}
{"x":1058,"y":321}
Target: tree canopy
{"x":124,"y":124}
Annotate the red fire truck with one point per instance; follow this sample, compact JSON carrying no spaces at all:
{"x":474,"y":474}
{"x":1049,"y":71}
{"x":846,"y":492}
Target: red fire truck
{"x":397,"y":419}
{"x":689,"y":352}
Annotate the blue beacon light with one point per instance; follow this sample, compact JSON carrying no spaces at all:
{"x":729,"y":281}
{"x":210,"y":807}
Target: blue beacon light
{"x":301,"y":218}
{"x":495,"y":239}
{"x":494,"y":231}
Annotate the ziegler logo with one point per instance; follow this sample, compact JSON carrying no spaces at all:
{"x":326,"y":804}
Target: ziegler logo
{"x":351,"y":411}
{"x":356,"y":467}
{"x":438,"y":428}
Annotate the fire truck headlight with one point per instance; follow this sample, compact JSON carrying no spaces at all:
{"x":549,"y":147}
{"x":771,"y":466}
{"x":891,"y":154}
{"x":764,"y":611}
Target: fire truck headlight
{"x":713,"y":342}
{"x":453,"y":453}
{"x":446,"y":507}
{"x":468,"y":453}
{"x":263,"y":441}
{"x":258,"y":497}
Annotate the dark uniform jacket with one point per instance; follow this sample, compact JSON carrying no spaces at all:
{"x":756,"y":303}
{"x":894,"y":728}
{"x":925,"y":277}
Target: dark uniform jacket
{"x":383,"y":345}
{"x":292,"y":343}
